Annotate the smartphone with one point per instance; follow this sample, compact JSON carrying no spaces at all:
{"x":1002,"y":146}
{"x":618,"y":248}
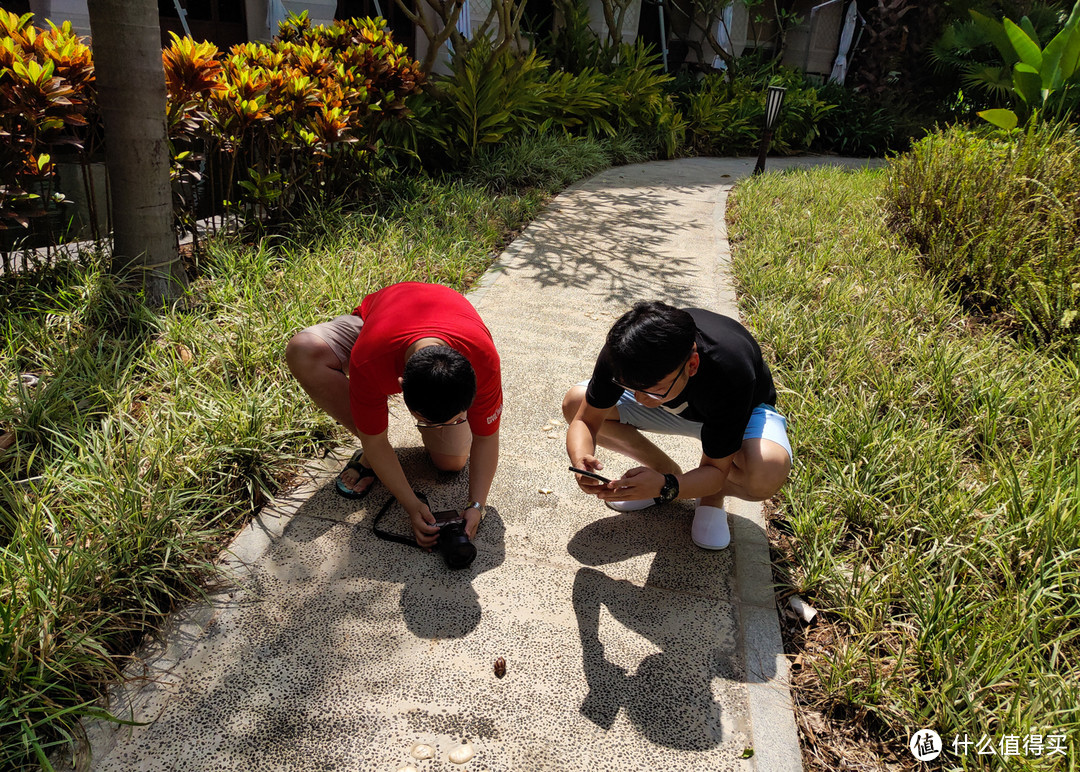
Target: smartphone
{"x":593,"y":475}
{"x":447,"y":517}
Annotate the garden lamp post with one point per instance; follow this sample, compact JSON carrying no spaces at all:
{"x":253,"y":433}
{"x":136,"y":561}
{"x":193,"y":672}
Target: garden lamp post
{"x":773,"y":100}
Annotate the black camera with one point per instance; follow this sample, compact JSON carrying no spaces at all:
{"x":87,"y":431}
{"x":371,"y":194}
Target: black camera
{"x":454,"y":544}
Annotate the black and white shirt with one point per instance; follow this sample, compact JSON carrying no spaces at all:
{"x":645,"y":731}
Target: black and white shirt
{"x":731,"y":381}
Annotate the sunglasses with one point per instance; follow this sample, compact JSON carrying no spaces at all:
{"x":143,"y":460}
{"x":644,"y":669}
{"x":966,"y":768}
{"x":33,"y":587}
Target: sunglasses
{"x":429,"y":425}
{"x":653,"y":394}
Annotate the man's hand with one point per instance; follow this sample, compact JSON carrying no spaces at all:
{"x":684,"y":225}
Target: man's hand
{"x":423,"y":525}
{"x":472,"y":521}
{"x":588,"y":484}
{"x":637,"y":484}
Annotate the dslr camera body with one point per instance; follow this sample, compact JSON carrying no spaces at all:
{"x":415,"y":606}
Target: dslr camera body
{"x":454,"y":544}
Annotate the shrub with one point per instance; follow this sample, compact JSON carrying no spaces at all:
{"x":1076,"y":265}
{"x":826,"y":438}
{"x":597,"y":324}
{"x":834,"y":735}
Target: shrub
{"x":549,"y":161}
{"x":46,"y":102}
{"x":293,"y":121}
{"x":488,"y":97}
{"x":491,"y":97}
{"x":724,"y":117}
{"x":572,"y":45}
{"x":998,"y":217}
{"x":860,"y":126}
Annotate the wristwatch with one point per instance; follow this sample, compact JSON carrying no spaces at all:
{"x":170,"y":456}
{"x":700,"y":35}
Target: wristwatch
{"x":669,"y":491}
{"x":478,"y":507}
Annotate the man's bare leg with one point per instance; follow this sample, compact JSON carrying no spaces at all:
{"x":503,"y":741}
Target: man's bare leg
{"x":320,"y":373}
{"x":758,"y":471}
{"x":448,"y":446}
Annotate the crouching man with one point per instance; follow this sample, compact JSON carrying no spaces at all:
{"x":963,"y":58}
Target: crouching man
{"x":686,"y":372}
{"x":427,"y":342}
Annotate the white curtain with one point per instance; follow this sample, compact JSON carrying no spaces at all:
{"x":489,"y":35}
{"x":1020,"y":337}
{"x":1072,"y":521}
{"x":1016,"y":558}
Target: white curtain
{"x":464,"y":26}
{"x":840,"y":66}
{"x":464,"y":23}
{"x":723,"y":35}
{"x":275,"y":13}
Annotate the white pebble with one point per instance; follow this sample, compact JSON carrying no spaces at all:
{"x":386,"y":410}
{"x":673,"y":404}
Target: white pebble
{"x":545,"y":491}
{"x":547,"y":427}
{"x":421,"y":751}
{"x":461,"y":754}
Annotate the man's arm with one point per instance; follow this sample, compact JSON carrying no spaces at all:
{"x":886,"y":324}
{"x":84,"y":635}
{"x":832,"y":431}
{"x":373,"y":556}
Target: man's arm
{"x":581,"y":443}
{"x":483,"y":461}
{"x":644,"y":483}
{"x":380,"y":454}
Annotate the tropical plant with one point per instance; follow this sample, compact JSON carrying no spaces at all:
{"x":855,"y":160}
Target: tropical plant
{"x":47,"y":108}
{"x":492,"y":96}
{"x":1044,"y":80}
{"x":489,"y":96}
{"x":724,"y":118}
{"x":278,"y":124}
{"x":966,"y":48}
{"x":860,"y":126}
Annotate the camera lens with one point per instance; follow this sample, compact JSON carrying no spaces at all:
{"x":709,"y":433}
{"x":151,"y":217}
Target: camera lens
{"x":456,"y":549}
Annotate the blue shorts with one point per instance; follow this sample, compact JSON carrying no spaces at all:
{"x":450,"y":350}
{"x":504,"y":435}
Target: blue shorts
{"x":765,"y":422}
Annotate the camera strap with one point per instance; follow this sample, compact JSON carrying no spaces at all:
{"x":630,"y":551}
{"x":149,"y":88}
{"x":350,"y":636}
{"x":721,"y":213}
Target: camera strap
{"x":393,"y":536}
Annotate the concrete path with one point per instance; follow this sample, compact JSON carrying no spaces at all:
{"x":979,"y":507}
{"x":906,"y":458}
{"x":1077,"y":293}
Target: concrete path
{"x":626,"y":647}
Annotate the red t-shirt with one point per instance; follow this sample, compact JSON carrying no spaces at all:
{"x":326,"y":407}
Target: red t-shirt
{"x":394,"y":319}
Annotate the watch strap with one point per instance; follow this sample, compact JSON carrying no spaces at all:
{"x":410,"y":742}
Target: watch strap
{"x":479,"y":508}
{"x":670,"y":489}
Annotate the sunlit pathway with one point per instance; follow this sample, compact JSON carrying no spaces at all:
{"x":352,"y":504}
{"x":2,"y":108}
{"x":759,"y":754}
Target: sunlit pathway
{"x":626,"y":647}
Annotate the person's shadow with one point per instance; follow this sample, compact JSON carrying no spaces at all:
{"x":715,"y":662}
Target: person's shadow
{"x":437,"y":602}
{"x":680,"y":609}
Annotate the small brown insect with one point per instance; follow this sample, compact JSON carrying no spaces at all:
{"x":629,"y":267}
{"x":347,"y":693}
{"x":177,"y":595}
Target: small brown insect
{"x":500,"y":667}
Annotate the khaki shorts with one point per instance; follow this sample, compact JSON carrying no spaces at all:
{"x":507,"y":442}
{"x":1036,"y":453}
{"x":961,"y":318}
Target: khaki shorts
{"x":340,"y":334}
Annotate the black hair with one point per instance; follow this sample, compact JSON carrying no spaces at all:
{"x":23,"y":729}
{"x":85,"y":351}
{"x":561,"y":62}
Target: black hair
{"x":648,"y":342}
{"x":438,"y":383}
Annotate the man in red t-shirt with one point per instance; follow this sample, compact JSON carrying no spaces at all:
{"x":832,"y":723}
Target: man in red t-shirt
{"x":427,"y":342}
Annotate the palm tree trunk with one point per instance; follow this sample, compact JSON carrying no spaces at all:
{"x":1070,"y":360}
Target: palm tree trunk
{"x":126,"y":41}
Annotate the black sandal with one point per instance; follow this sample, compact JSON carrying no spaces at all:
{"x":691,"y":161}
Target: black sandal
{"x":364,"y":471}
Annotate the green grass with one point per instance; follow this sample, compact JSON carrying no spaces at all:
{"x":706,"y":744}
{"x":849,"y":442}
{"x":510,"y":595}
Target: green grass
{"x":934,"y":506}
{"x":150,"y":439}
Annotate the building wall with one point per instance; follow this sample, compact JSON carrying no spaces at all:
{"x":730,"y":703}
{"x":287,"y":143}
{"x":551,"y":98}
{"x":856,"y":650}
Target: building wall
{"x":811,"y":46}
{"x":62,"y":10}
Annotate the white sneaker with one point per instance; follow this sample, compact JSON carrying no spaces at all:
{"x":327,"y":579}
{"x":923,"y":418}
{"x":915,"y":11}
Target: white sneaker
{"x":710,"y":528}
{"x":630,"y":506}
